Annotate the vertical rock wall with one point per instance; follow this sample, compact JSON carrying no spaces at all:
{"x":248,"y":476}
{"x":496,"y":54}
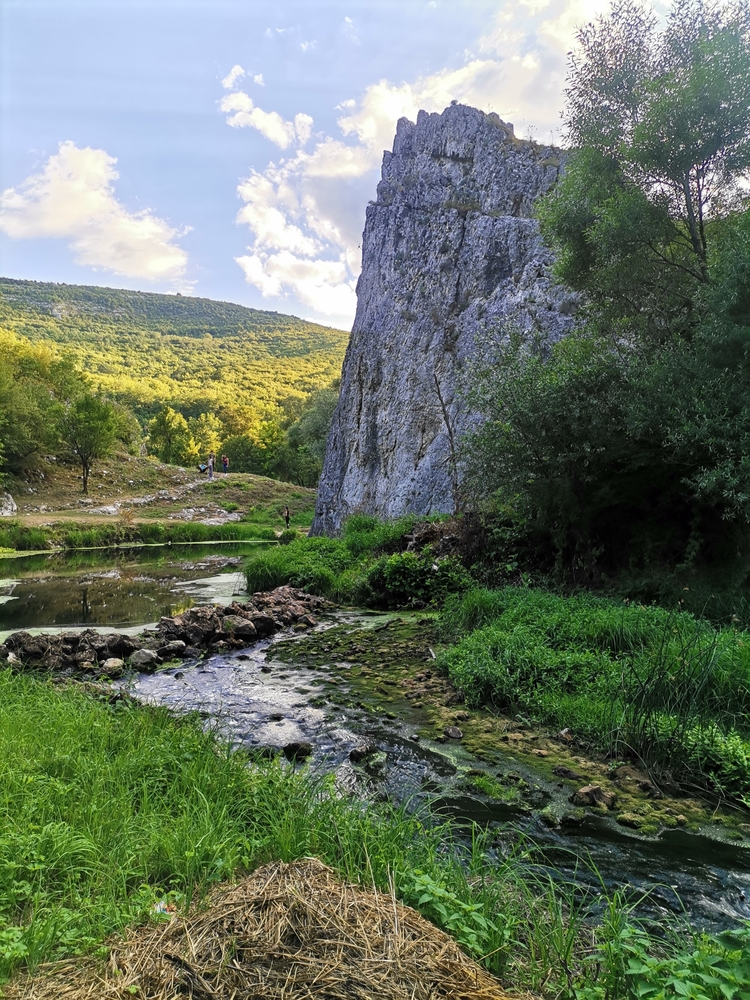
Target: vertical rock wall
{"x":450,"y":248}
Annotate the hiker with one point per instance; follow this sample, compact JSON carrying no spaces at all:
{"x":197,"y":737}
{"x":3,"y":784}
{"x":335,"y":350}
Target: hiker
{"x":286,"y":517}
{"x":211,"y":463}
{"x":225,"y":463}
{"x":202,"y":467}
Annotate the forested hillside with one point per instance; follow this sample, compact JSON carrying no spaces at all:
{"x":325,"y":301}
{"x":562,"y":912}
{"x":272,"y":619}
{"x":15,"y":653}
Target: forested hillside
{"x":194,"y":354}
{"x":198,"y":375}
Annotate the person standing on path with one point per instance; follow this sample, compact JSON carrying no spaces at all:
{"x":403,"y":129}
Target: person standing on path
{"x":286,"y":517}
{"x":211,"y":462}
{"x":225,"y":464}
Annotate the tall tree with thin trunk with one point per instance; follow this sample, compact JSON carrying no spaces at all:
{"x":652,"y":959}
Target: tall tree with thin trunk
{"x":89,"y":427}
{"x":659,"y":125}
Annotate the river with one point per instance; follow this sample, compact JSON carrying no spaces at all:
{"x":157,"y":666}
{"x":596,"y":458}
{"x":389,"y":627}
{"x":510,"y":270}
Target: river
{"x":263,"y":702}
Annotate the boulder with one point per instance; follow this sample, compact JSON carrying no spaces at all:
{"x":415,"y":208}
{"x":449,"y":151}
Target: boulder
{"x":144,"y":659}
{"x":239,"y":627}
{"x":8,"y":506}
{"x":113,"y":666}
{"x":454,"y":733}
{"x":264,"y":624}
{"x":593,"y":795}
{"x":298,"y":751}
{"x":172,"y":650}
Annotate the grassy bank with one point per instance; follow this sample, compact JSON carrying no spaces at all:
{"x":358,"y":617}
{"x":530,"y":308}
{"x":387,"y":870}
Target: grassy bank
{"x":369,"y":565}
{"x":665,"y":688}
{"x":15,"y":536}
{"x":107,"y":809}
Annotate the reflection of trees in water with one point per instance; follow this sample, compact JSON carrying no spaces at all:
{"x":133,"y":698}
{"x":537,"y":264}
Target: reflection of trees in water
{"x":85,"y":606}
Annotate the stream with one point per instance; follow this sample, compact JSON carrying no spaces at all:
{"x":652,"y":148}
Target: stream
{"x":262,"y":702}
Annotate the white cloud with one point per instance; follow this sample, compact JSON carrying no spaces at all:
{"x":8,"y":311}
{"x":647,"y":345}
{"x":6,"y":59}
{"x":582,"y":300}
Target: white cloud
{"x":306,"y":213}
{"x":258,"y":78}
{"x":307,"y":46}
{"x":73,"y":198}
{"x":269,"y":123}
{"x":235,"y":73}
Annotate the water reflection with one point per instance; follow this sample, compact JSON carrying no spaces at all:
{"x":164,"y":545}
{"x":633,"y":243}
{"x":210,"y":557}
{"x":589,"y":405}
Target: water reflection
{"x":117,"y":587}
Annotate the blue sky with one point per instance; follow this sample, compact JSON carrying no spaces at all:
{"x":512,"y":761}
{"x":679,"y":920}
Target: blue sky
{"x":228,"y":149}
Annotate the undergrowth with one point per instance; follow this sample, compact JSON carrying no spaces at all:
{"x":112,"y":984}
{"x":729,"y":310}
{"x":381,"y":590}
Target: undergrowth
{"x":664,"y":687}
{"x":107,"y":809}
{"x":368,"y":565}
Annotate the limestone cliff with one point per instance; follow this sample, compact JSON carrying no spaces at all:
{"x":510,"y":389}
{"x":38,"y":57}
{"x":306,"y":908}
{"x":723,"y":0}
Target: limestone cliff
{"x":450,"y":248}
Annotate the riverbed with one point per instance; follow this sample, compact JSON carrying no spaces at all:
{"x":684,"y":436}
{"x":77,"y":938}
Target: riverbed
{"x":267,"y":697}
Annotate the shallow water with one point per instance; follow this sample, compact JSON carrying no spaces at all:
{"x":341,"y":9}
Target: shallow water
{"x":261,"y":708}
{"x":116,"y":587}
{"x":264,"y":703}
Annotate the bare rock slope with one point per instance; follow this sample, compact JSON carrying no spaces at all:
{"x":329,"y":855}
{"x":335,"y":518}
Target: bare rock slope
{"x":450,"y":249}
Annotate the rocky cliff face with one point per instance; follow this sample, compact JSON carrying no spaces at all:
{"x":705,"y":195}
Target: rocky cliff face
{"x":450,"y":249}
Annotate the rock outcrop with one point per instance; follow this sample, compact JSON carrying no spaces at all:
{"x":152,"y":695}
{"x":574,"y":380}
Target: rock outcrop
{"x":450,"y":250}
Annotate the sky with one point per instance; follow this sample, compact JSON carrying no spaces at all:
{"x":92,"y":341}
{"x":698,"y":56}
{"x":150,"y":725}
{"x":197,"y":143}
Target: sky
{"x":229,"y":148}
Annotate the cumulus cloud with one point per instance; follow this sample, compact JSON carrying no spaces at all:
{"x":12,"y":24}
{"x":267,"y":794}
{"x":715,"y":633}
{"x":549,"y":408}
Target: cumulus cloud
{"x":235,"y":73}
{"x":258,"y":78}
{"x":245,"y":114}
{"x":73,"y":198}
{"x":306,"y":213}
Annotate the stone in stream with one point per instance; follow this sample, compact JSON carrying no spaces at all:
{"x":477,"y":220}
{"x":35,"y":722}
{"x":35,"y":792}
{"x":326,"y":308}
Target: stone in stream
{"x":593,"y":795}
{"x":361,"y":752}
{"x":172,"y":650}
{"x":145,"y":658}
{"x":113,"y":666}
{"x":239,"y":628}
{"x":298,"y":751}
{"x":454,"y":733}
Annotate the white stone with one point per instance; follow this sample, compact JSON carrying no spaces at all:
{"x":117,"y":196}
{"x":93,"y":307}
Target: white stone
{"x":8,"y":506}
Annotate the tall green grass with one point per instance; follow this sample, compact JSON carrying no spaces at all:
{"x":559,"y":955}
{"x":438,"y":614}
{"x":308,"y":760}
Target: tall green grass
{"x":106,"y":809}
{"x":665,"y":687}
{"x":14,"y":535}
{"x":367,"y":565}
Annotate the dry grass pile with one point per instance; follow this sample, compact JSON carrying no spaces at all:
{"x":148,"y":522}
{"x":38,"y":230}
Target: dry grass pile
{"x":289,"y":931}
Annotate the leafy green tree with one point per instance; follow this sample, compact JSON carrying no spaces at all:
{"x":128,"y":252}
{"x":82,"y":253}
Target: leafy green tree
{"x":659,"y":124}
{"x":170,"y":439}
{"x":34,"y":381}
{"x":207,"y":431}
{"x":627,"y":443}
{"x":89,"y":427}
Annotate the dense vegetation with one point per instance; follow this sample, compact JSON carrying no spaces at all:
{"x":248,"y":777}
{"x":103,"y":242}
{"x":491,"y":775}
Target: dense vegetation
{"x":621,"y":452}
{"x":109,"y":809}
{"x":662,"y":688}
{"x":180,"y":376}
{"x":371,"y":564}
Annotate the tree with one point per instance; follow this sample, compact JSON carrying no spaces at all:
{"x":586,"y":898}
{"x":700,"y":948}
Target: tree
{"x":659,"y":125}
{"x":34,"y":380}
{"x":89,"y":426}
{"x":169,"y":437}
{"x":626,"y":445}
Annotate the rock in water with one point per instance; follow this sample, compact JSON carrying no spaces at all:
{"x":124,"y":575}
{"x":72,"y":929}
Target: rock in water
{"x":450,"y":248}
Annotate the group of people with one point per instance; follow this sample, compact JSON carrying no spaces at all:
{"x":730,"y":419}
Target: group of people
{"x":210,"y":465}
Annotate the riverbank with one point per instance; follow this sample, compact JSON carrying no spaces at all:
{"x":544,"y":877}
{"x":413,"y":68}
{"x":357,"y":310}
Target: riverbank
{"x":114,"y":813}
{"x":142,"y":501}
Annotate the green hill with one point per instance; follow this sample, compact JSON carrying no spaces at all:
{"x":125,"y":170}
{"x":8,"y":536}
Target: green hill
{"x":195,"y":354}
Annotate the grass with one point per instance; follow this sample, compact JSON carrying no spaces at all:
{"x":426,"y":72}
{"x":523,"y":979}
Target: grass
{"x":664,"y":687}
{"x":369,"y":565}
{"x":106,"y":809}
